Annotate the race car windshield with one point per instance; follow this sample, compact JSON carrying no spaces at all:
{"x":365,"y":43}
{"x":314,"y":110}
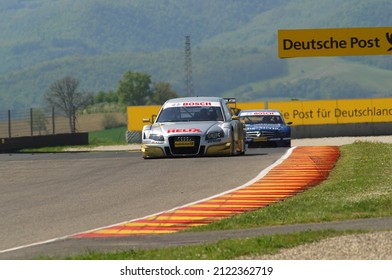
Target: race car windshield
{"x":187,"y":114}
{"x":260,"y":119}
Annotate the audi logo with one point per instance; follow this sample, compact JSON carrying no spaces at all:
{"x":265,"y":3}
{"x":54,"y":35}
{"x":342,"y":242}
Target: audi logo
{"x":184,"y":138}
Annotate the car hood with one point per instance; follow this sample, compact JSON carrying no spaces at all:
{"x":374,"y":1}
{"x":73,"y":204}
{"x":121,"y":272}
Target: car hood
{"x":263,"y":126}
{"x":169,"y":128}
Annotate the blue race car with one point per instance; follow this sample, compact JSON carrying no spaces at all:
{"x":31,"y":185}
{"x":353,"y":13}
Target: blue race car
{"x":265,"y":128}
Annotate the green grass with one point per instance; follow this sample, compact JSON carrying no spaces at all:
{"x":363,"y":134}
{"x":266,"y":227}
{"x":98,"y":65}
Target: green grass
{"x":112,"y":136}
{"x":221,"y":250}
{"x":360,"y":186}
{"x":315,"y":68}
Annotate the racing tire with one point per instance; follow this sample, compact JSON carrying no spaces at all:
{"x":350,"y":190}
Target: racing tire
{"x":243,"y":149}
{"x":232,"y":144}
{"x":287,"y":143}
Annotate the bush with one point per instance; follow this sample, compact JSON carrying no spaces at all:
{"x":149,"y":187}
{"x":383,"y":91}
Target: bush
{"x":110,"y":121}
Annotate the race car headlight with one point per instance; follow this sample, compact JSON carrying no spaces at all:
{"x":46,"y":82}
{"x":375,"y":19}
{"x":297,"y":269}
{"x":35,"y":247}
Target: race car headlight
{"x":156,"y":137}
{"x":215,"y":134}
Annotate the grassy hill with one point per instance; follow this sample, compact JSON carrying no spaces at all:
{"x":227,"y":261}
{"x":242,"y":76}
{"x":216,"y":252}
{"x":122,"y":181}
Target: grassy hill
{"x":366,"y":81}
{"x":233,"y":45}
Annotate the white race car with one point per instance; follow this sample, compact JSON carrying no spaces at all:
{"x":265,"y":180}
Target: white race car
{"x":193,"y":126}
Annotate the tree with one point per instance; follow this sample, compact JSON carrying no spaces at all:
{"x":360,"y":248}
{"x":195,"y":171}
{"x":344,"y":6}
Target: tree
{"x":39,"y":121}
{"x":162,"y":91}
{"x":108,"y":97}
{"x":63,"y":95}
{"x":134,"y":89}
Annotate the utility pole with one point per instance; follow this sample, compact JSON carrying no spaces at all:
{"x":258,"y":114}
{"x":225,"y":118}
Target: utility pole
{"x":189,"y":90}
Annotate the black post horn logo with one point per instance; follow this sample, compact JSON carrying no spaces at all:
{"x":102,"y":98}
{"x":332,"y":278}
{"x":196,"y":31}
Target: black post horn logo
{"x":389,"y":38}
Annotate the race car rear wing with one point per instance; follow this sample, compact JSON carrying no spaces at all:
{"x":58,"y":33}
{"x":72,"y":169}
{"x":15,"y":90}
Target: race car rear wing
{"x":232,"y":100}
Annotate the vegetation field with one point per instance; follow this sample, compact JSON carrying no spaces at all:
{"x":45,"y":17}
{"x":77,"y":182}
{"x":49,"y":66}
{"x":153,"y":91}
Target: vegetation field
{"x":113,"y":136}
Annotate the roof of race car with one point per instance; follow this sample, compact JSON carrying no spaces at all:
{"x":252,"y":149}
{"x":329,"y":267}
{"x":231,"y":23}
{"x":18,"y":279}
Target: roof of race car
{"x":261,"y":112}
{"x":193,"y":101}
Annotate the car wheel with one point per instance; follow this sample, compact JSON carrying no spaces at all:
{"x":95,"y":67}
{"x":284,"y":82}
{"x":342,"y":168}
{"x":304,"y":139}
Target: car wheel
{"x":232,"y":144}
{"x":243,"y":148}
{"x":286,"y":143}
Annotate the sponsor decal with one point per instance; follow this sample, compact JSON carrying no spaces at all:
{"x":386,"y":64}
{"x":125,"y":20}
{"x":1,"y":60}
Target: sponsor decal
{"x":389,"y":39}
{"x":363,"y":113}
{"x":260,"y":139}
{"x":184,"y":130}
{"x":193,"y":104}
{"x":184,"y":144}
{"x":335,"y":42}
{"x":331,"y":43}
{"x":261,"y":127}
{"x":244,"y":114}
{"x":336,"y":111}
{"x":198,"y":103}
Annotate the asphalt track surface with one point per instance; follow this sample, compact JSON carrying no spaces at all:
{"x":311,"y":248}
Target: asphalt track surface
{"x":49,"y":196}
{"x":45,"y":197}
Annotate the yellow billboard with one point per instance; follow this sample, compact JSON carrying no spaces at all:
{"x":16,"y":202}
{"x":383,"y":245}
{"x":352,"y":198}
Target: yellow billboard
{"x":364,"y":110}
{"x":335,"y":111}
{"x":136,"y":114}
{"x":335,"y":42}
{"x":310,"y":112}
{"x":306,"y":112}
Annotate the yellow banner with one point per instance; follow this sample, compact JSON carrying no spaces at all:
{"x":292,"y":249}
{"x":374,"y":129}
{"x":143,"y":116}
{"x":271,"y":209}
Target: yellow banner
{"x":309,"y":112}
{"x":335,"y":111}
{"x":136,"y":114}
{"x":335,"y":42}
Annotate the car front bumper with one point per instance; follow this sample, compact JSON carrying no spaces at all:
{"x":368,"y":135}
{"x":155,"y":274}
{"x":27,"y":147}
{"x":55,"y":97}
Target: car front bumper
{"x":204,"y":148}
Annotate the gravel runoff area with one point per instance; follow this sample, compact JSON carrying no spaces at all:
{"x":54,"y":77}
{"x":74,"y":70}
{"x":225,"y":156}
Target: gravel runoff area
{"x":368,"y":246}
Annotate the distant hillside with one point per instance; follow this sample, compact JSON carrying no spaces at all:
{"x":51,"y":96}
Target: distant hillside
{"x":40,"y":30}
{"x":233,"y":44}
